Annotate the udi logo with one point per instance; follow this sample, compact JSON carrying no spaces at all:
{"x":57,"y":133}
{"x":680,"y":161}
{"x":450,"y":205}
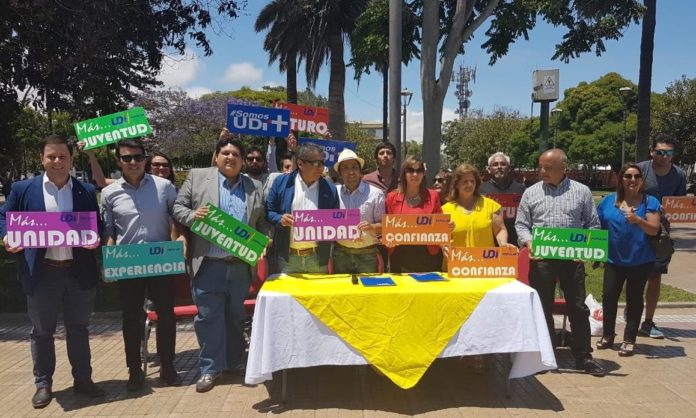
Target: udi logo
{"x":260,"y":121}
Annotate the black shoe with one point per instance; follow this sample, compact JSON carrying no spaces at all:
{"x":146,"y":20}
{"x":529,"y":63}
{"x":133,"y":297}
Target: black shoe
{"x":88,"y":388}
{"x":169,"y":376}
{"x":206,"y":382}
{"x":591,"y":367}
{"x":41,"y":398}
{"x":238,"y":370}
{"x":136,"y":379}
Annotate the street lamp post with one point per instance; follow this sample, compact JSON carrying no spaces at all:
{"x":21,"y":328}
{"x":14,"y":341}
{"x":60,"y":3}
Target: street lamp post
{"x":625,"y":93}
{"x":406,"y":96}
{"x":555,"y":113}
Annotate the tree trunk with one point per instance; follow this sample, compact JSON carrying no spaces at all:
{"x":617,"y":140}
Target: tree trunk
{"x":385,"y":106}
{"x":644,"y":82}
{"x":432,"y":132}
{"x":337,"y":83}
{"x":291,"y":77}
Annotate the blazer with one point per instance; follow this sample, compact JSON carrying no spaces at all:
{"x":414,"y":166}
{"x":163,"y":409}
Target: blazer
{"x":27,"y":196}
{"x":202,"y":187}
{"x":279,"y":202}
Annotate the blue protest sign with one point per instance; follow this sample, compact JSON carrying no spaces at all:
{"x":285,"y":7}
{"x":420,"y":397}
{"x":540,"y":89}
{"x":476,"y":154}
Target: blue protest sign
{"x":259,"y":121}
{"x":134,"y":261}
{"x":331,"y":148}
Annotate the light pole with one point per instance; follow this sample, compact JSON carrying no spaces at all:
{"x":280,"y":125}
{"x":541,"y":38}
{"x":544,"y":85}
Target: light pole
{"x":625,"y":93}
{"x":555,"y":113}
{"x":406,"y":96}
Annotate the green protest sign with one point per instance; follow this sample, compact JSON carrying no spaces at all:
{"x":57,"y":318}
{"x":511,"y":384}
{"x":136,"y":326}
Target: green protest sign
{"x":109,"y":129}
{"x":570,"y":244}
{"x":238,"y":239}
{"x":143,"y":260}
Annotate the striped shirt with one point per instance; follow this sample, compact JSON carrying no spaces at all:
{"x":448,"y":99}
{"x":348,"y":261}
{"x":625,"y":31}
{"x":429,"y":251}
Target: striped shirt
{"x":232,"y":202}
{"x":370,"y":201}
{"x":568,"y":205}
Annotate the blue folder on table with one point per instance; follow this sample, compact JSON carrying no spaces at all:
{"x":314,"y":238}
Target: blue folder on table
{"x":377,"y":281}
{"x":428,"y":277}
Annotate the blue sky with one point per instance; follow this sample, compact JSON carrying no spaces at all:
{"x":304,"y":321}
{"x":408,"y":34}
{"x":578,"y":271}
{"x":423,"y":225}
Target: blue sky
{"x":239,"y":59}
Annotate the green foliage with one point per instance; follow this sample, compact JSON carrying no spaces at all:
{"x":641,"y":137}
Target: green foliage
{"x":413,"y":148}
{"x":365,"y":147}
{"x":675,"y":114}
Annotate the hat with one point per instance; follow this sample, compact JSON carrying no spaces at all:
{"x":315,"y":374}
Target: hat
{"x":348,"y":154}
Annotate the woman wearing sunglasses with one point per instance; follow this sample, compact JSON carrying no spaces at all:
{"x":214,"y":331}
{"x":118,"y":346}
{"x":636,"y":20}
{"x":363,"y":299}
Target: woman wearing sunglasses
{"x":413,"y":197}
{"x":630,"y":215}
{"x":161,"y":166}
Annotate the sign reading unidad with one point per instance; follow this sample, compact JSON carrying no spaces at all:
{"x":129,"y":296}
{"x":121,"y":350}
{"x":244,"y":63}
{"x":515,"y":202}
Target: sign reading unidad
{"x":679,"y":208}
{"x":314,"y":120}
{"x":482,"y":262}
{"x":416,"y":229}
{"x":237,"y":238}
{"x":256,"y":120}
{"x":325,"y":224}
{"x":143,"y":260}
{"x":509,"y":203}
{"x":331,"y":148}
{"x":52,"y":229}
{"x":112,"y":128}
{"x":570,"y":243}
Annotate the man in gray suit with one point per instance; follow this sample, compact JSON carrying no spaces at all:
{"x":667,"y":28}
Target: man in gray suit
{"x":220,"y":281}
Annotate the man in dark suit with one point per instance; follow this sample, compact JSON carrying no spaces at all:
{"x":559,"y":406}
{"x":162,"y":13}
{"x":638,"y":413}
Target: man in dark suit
{"x":56,"y":277}
{"x":303,"y":189}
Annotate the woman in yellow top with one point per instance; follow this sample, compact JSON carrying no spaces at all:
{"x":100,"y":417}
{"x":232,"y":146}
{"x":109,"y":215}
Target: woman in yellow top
{"x":477,"y":219}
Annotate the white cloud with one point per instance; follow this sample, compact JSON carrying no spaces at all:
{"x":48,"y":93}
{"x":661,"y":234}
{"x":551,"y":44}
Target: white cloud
{"x":243,"y":73}
{"x":179,"y":70}
{"x":414,"y":123}
{"x":197,"y":91}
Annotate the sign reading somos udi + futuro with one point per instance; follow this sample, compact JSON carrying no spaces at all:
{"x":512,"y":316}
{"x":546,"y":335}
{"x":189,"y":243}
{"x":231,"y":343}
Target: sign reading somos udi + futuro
{"x":109,"y":129}
{"x":570,"y":243}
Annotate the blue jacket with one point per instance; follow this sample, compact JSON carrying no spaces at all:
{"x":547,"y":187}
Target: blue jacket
{"x":279,"y":202}
{"x":27,"y":196}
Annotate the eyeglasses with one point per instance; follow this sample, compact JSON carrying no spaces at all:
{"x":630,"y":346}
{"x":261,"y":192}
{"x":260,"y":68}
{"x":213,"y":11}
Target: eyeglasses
{"x":259,"y":159}
{"x":411,"y":170}
{"x":139,"y":158}
{"x":315,"y":163}
{"x":664,"y":152}
{"x":159,"y":165}
{"x":632,"y":176}
{"x":439,"y":180}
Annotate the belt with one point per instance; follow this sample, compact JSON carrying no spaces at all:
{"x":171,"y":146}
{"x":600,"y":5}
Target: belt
{"x":58,"y":263}
{"x":303,"y":252}
{"x":363,"y":250}
{"x":229,"y":260}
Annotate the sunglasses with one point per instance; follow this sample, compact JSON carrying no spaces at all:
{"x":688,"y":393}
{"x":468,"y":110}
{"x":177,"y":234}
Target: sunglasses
{"x":664,"y":152}
{"x":439,"y":180}
{"x":259,"y":159}
{"x":139,"y":158}
{"x":411,"y":170}
{"x":315,"y":163}
{"x":632,"y":176}
{"x":159,"y":165}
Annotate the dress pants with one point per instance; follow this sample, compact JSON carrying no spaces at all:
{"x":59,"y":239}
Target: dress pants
{"x":160,"y":290}
{"x":57,"y":288}
{"x":614,"y":277}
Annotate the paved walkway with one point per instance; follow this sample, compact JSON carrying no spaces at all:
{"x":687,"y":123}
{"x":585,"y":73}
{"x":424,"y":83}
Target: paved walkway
{"x":683,"y":265}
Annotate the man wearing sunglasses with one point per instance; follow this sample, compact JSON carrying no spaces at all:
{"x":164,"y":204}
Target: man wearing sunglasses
{"x":303,"y":189}
{"x":136,"y":209}
{"x":662,"y":178}
{"x":255,"y":163}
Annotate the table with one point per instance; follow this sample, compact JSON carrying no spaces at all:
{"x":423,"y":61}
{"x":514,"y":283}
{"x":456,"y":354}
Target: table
{"x":508,"y":319}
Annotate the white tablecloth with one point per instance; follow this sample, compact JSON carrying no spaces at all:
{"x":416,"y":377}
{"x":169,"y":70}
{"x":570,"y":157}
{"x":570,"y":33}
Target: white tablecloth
{"x":509,"y":319}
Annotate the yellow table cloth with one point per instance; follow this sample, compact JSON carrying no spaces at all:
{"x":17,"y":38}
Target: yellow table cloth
{"x":399,"y":329}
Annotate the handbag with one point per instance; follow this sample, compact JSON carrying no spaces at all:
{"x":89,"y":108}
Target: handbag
{"x":662,"y":244}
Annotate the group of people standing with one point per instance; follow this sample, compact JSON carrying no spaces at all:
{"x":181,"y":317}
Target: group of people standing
{"x":144,"y":206}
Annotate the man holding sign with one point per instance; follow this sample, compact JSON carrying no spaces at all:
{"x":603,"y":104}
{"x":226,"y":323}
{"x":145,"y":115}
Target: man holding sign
{"x":220,"y":281}
{"x":59,"y":278}
{"x":559,"y":202}
{"x":136,"y":209}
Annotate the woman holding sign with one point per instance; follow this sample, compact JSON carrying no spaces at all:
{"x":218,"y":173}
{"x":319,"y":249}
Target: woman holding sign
{"x":631,"y":216}
{"x":413,"y":197}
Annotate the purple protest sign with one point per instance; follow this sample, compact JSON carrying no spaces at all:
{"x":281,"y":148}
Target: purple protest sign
{"x":52,"y":229}
{"x":325,"y":224}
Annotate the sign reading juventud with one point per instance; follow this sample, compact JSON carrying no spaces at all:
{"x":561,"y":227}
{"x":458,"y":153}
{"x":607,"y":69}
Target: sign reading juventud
{"x":679,"y":208}
{"x":52,"y":229}
{"x":325,"y":224}
{"x":112,"y":128}
{"x":143,"y":260}
{"x":238,"y":239}
{"x":416,"y":229}
{"x":482,"y":262}
{"x":570,"y":243}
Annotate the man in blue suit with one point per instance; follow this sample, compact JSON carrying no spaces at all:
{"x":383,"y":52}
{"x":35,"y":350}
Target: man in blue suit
{"x":303,"y":189}
{"x":56,"y":277}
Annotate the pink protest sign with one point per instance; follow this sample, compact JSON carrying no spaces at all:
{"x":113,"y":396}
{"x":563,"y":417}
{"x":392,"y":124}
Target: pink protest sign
{"x":325,"y":224}
{"x":52,"y":229}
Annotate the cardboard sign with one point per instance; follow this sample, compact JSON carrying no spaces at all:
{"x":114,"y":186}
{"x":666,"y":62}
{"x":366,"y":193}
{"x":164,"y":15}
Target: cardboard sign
{"x":482,"y":262}
{"x":331,"y":148}
{"x":325,"y":224}
{"x":416,"y":229}
{"x":679,"y":208}
{"x":143,"y":260}
{"x":314,"y":120}
{"x":570,"y":243}
{"x":509,"y":203}
{"x":259,"y":121}
{"x":238,"y":239}
{"x":112,"y":128}
{"x":52,"y":229}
